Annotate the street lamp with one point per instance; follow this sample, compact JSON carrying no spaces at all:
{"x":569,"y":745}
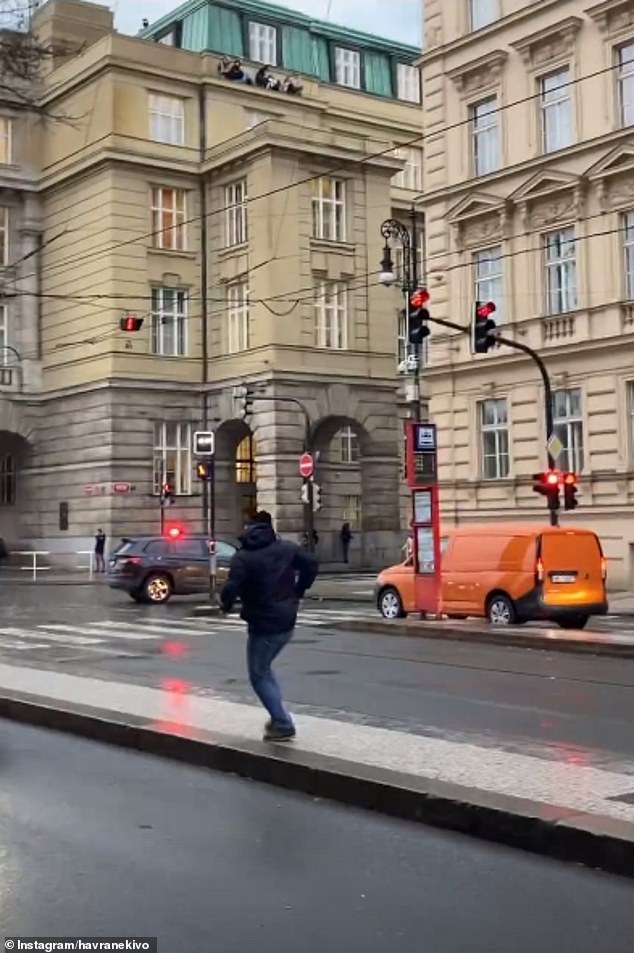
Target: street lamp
{"x":393,"y":229}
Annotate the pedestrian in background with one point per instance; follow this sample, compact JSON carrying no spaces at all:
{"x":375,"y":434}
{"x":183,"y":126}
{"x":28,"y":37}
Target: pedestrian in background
{"x":4,"y":552}
{"x":100,"y":548}
{"x":269,"y":576}
{"x":346,"y":538}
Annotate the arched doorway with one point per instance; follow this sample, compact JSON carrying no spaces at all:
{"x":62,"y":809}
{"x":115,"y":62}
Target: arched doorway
{"x":246,"y":477}
{"x":340,"y":444}
{"x":13,"y":450}
{"x":236,"y":477}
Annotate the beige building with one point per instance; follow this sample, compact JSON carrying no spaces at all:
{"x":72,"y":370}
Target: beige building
{"x":242,"y":223}
{"x":528,"y":176}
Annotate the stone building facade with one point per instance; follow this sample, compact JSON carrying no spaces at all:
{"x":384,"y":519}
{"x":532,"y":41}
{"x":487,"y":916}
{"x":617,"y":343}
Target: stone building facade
{"x":243,"y":225}
{"x":528,"y":198}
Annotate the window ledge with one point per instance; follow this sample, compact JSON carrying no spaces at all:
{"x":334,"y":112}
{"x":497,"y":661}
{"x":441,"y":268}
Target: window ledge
{"x":230,"y":250}
{"x":332,"y":245}
{"x":172,"y":252}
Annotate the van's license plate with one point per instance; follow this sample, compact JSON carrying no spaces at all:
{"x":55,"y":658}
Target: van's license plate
{"x":563,"y":577}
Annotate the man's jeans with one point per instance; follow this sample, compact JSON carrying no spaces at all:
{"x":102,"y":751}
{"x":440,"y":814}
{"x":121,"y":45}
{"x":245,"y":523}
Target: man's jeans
{"x":262,"y":650}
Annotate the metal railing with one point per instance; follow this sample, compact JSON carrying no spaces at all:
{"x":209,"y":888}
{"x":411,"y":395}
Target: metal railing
{"x":33,"y":568}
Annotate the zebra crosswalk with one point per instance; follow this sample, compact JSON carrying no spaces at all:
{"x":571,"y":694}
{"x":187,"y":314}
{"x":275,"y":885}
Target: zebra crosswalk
{"x":139,"y":635}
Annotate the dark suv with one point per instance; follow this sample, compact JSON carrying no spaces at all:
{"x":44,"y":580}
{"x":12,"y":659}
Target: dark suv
{"x":153,"y":568}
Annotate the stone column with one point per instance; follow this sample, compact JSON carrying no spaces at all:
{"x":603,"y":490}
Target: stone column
{"x":382,"y":535}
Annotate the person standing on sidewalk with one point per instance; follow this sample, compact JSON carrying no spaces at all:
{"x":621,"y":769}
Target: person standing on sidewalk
{"x":346,"y":538}
{"x":269,"y":576}
{"x":100,"y":548}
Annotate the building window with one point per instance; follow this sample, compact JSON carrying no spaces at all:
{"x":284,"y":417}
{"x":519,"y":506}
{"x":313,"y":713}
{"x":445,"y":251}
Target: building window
{"x":263,"y":43}
{"x":561,"y":271}
{"x":402,"y":338}
{"x":331,"y":313}
{"x":625,"y":80}
{"x":168,"y":219}
{"x":556,"y":109}
{"x":568,"y":426}
{"x":494,"y":439}
{"x":408,"y":83}
{"x":4,"y":334}
{"x":348,"y":67}
{"x":351,"y":512}
{"x":628,"y":248}
{"x":236,"y":212}
{"x":172,"y":457}
{"x":245,"y":461}
{"x":483,"y":12}
{"x":486,"y":141}
{"x":167,"y":119}
{"x":237,"y":317}
{"x":7,"y":480}
{"x":5,"y":140}
{"x":329,"y":209}
{"x":489,"y":279}
{"x":169,"y":322}
{"x":411,"y":176}
{"x":630,"y":418}
{"x":346,"y":446}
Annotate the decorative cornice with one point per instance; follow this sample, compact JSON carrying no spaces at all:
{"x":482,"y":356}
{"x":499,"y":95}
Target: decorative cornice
{"x":553,"y":42}
{"x":612,"y":16}
{"x":479,"y":73}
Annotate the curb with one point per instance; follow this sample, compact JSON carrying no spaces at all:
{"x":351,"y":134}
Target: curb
{"x":428,"y":630}
{"x":544,"y":829}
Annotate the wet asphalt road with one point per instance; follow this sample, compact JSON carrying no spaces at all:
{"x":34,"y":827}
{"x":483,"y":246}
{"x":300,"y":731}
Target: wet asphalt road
{"x":97,"y":841}
{"x":557,"y":706}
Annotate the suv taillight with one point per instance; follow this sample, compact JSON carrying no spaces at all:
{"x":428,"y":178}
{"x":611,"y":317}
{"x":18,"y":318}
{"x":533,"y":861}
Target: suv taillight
{"x":130,"y":560}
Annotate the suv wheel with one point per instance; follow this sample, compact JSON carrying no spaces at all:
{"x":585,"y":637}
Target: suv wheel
{"x":157,"y":588}
{"x":500,"y":610}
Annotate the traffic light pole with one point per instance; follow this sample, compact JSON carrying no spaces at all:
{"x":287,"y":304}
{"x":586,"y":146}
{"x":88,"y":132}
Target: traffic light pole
{"x":548,"y":408}
{"x":309,"y":515}
{"x":415,"y":408}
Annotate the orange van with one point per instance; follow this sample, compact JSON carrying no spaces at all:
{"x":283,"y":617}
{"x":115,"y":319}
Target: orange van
{"x":508,"y":574}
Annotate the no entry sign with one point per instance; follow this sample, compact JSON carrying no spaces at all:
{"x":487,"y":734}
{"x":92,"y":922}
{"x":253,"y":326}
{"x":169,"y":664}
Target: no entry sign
{"x":306,"y":465}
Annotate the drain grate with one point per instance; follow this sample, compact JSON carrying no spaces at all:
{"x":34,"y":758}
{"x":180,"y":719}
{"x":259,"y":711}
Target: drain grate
{"x":624,"y":798}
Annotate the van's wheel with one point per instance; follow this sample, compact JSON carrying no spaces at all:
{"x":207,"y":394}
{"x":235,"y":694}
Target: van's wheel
{"x":390,"y":604}
{"x":500,"y":610}
{"x":157,"y":588}
{"x":573,"y":622}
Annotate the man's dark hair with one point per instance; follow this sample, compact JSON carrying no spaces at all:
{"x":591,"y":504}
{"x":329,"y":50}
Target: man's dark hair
{"x":262,"y":516}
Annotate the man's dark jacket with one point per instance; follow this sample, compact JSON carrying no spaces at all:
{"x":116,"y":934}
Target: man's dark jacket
{"x":269,"y":576}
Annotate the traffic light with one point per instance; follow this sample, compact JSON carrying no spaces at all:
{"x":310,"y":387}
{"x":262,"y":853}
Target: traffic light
{"x":482,"y":327}
{"x":204,"y":470}
{"x":247,"y":402}
{"x":175,"y":532}
{"x":167,"y":494}
{"x":130,"y":322}
{"x":316,"y":497}
{"x":548,"y":485}
{"x":417,"y":328}
{"x":204,"y":443}
{"x":570,"y":491}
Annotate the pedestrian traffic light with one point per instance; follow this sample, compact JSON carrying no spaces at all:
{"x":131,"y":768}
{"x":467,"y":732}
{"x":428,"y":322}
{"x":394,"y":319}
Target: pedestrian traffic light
{"x":175,"y":532}
{"x":167,"y":494}
{"x":570,"y":491}
{"x":418,"y":315}
{"x":548,"y":485}
{"x":247,"y":402}
{"x":482,"y":327}
{"x":130,"y":322}
{"x":316,"y":496}
{"x":204,"y":470}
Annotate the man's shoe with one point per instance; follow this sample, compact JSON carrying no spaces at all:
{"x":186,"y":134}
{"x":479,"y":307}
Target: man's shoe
{"x":275,"y":733}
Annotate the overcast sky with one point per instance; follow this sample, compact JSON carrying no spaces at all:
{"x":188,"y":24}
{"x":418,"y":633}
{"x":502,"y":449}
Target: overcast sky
{"x":399,"y":19}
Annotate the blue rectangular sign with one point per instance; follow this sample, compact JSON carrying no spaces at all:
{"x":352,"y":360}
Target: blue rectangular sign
{"x":424,"y":437}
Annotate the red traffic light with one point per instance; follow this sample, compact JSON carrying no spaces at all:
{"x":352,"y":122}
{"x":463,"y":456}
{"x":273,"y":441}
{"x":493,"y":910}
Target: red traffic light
{"x":167,"y":488}
{"x":420,"y":298}
{"x":552,"y":478}
{"x":130,"y":322}
{"x":485,"y":310}
{"x":174,"y":532}
{"x":570,"y":479}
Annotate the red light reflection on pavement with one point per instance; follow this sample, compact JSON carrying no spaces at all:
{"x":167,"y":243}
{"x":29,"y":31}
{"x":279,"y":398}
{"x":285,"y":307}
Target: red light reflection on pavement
{"x":174,"y":648}
{"x":176,"y":708}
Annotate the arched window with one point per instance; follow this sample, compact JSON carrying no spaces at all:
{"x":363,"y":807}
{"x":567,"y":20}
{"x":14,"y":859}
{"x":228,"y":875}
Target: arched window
{"x":245,"y":461}
{"x":345,"y":446}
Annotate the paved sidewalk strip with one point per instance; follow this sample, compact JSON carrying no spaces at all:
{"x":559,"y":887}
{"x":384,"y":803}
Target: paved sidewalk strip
{"x":584,"y":800}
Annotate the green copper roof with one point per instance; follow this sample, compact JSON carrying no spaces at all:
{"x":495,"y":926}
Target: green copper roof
{"x":282,"y":16}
